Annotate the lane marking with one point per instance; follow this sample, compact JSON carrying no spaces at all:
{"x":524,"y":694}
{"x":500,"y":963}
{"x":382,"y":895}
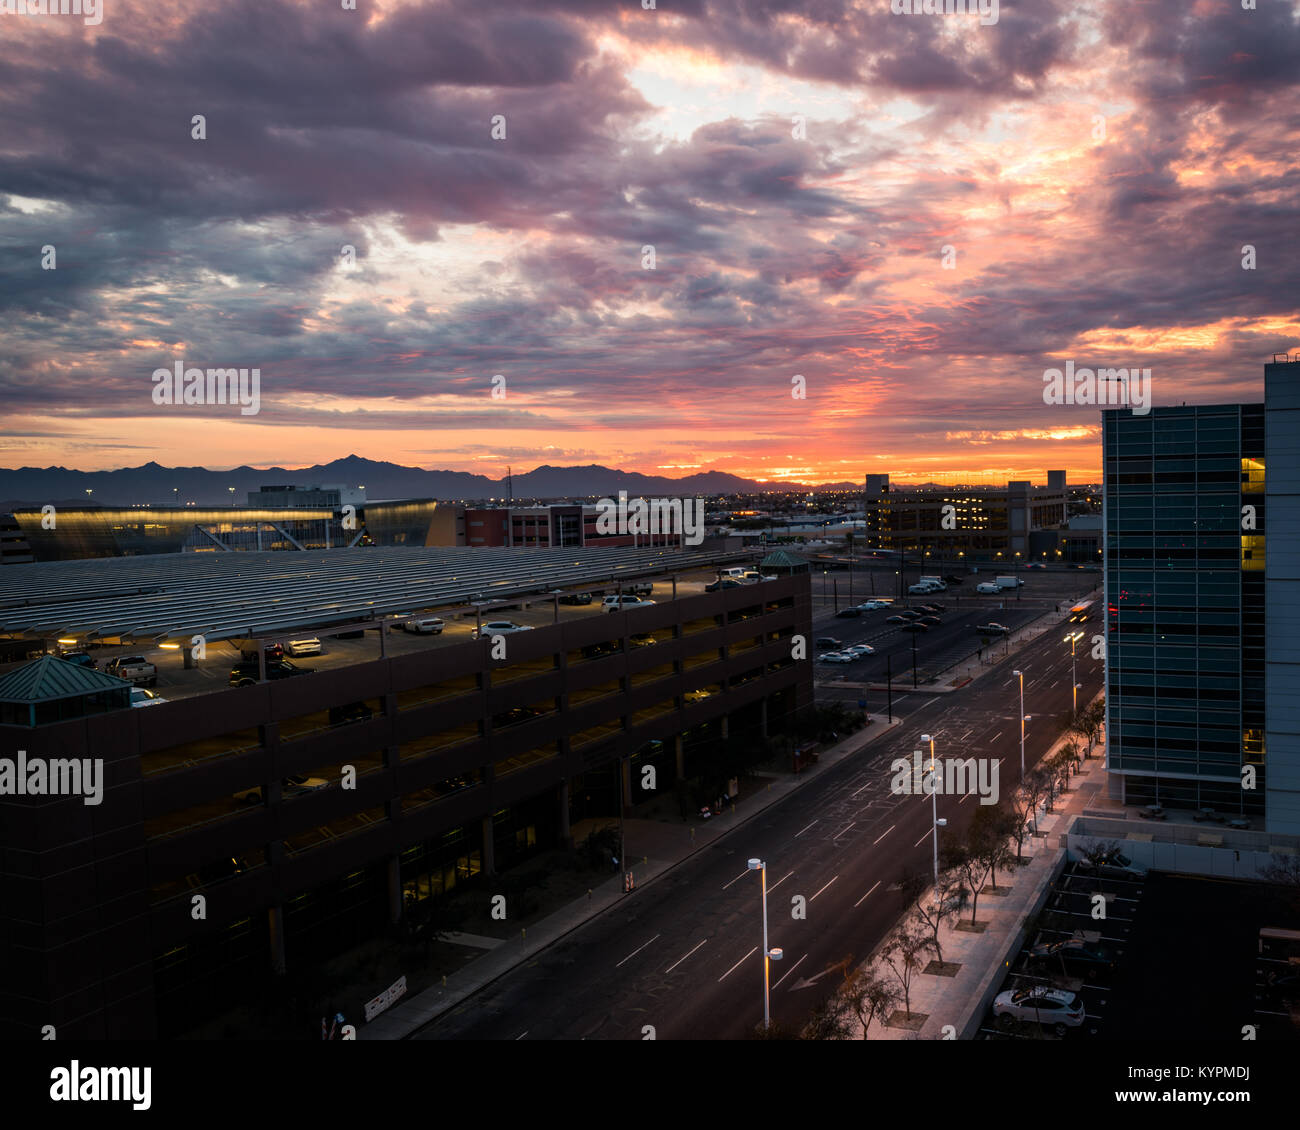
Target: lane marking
{"x":779,"y":882}
{"x":802,"y":831}
{"x":736,"y":879}
{"x":788,"y":972}
{"x":842,"y":831}
{"x":684,"y":956}
{"x":995,"y":737}
{"x":864,"y":897}
{"x":827,"y":885}
{"x":635,"y":952}
{"x":884,"y":834}
{"x":521,"y":1035}
{"x":923,"y":838}
{"x":737,"y":965}
{"x":863,"y":789}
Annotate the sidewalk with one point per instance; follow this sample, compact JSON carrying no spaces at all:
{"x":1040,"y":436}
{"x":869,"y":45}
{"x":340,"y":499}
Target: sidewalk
{"x":671,"y":843}
{"x":959,"y":1004}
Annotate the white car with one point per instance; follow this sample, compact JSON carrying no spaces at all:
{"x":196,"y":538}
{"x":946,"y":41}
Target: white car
{"x":429,"y":625}
{"x":615,"y":602}
{"x":838,"y":657}
{"x":1114,"y":864}
{"x":499,"y":628}
{"x":1058,"y":1009}
{"x":872,"y":605}
{"x":142,"y":697}
{"x":308,"y":646}
{"x":988,"y":587}
{"x":860,"y":649}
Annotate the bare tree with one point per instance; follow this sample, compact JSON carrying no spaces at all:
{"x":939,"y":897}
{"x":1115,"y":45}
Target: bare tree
{"x":965,"y":859}
{"x":905,"y":954}
{"x":1023,"y":805}
{"x":869,"y":996}
{"x":946,"y":901}
{"x":994,"y":826}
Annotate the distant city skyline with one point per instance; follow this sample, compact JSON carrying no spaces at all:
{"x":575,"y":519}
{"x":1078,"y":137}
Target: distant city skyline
{"x":652,"y":226}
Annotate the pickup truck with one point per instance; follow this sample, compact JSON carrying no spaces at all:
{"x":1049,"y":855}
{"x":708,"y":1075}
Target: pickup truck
{"x":639,"y":588}
{"x":135,"y":669}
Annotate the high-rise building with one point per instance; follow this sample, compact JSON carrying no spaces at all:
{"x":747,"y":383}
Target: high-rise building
{"x":1191,"y":598}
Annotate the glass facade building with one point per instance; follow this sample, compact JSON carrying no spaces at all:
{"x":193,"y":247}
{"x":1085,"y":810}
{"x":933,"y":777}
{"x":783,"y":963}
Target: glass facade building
{"x":1184,"y":520}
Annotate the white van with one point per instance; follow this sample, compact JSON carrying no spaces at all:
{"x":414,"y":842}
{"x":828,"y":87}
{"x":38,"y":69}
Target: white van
{"x":735,"y":574}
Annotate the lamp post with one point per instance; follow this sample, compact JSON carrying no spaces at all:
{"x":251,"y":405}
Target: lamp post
{"x":1072,"y":639}
{"x":934,"y":814}
{"x":1021,"y":676}
{"x":769,"y":955}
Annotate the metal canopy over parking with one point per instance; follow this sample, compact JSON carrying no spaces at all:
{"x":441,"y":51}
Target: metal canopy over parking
{"x":234,"y":595}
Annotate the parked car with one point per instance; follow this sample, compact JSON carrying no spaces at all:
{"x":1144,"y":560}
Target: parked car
{"x":142,"y":697}
{"x":991,"y":629}
{"x":289,"y":787}
{"x":1115,"y":865}
{"x":245,"y":674}
{"x":80,"y":658}
{"x":860,"y":649}
{"x":135,"y":669}
{"x":425,"y":625}
{"x":848,"y":613}
{"x":308,"y":646}
{"x":641,"y":639}
{"x":722,"y":583}
{"x":934,"y":606}
{"x":931,"y":621}
{"x":1058,"y":1009}
{"x":953,"y":580}
{"x":837,"y":657}
{"x":898,"y":619}
{"x":352,"y":712}
{"x":576,"y":598}
{"x":915,"y":626}
{"x":499,"y":628}
{"x":1035,"y":565}
{"x":1083,"y":951}
{"x":615,"y":604}
{"x":910,"y":614}
{"x":872,"y":605}
{"x":273,"y":651}
{"x":988,"y":587}
{"x":829,"y":643}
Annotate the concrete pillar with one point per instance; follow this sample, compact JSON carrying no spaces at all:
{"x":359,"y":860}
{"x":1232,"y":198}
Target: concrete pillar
{"x":394,"y":889}
{"x":679,"y":754}
{"x":726,"y":726}
{"x":275,"y":919}
{"x":762,"y":716}
{"x":625,"y":774}
{"x":489,"y":848}
{"x":187,"y":657}
{"x":562,"y":802}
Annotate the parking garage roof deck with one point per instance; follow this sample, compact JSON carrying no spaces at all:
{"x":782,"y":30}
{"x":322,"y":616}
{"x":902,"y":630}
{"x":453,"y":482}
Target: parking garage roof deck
{"x":234,"y":595}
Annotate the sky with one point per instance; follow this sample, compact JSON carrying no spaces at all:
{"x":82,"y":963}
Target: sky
{"x":796,"y":240}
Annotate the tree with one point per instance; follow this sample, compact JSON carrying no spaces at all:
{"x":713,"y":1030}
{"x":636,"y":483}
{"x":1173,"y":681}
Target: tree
{"x":930,"y":914}
{"x":1023,"y":806}
{"x":904,"y":955}
{"x":995,"y":824}
{"x":968,"y":858}
{"x":868,"y":996}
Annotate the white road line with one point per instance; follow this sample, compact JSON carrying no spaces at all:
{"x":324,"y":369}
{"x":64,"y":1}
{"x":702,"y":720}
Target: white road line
{"x":634,"y":953}
{"x":803,"y":830}
{"x":923,"y":839}
{"x":684,"y":956}
{"x":864,"y":897}
{"x":779,"y":882}
{"x":842,"y":831}
{"x":736,"y":879}
{"x":737,"y":965}
{"x":863,"y":789}
{"x":827,"y":885}
{"x":788,"y":972}
{"x":996,"y":736}
{"x":521,"y":1035}
{"x":966,"y":797}
{"x":884,"y":834}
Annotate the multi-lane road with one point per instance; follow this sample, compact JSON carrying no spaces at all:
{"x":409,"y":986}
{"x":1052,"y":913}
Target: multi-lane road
{"x":683,"y":954}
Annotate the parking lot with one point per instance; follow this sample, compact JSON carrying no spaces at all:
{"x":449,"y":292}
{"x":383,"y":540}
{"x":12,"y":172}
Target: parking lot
{"x":1175,"y":958}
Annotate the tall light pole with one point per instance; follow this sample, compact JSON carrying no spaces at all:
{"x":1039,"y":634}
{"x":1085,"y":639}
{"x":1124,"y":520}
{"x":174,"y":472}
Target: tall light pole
{"x":1072,"y":639}
{"x":769,"y":955}
{"x":934,"y":814}
{"x":1021,"y":676}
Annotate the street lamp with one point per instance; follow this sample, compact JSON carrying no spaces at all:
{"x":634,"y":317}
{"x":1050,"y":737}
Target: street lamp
{"x":1072,"y":639}
{"x":769,"y":955}
{"x":934,"y":814}
{"x":1021,"y":676}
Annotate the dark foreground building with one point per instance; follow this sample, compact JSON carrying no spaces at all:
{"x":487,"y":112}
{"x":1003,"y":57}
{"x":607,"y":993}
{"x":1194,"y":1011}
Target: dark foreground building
{"x":441,"y":765}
